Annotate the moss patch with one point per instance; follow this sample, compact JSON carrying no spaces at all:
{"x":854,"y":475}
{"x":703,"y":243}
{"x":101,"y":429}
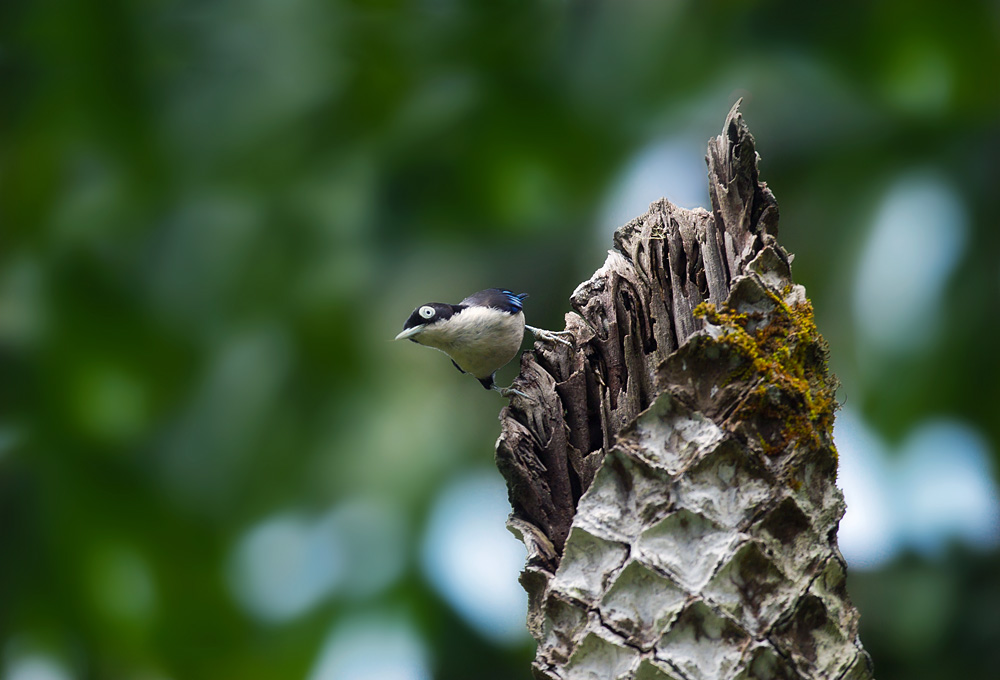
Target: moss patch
{"x":790,"y":399}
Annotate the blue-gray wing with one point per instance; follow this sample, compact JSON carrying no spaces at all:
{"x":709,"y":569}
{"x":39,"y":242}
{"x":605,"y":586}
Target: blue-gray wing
{"x":497,"y":298}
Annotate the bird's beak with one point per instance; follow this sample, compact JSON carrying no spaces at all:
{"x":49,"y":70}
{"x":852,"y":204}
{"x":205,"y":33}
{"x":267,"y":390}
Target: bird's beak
{"x":410,"y":332}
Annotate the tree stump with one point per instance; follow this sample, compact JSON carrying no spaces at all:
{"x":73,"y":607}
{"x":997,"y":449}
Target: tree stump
{"x":673,"y":474}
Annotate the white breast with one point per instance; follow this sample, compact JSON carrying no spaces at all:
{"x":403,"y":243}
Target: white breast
{"x":479,"y":339}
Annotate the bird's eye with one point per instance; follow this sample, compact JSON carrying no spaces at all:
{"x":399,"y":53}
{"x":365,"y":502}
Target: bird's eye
{"x":426,"y":311}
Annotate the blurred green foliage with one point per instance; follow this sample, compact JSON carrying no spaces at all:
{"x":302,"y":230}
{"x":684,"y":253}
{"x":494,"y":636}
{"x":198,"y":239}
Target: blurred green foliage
{"x":214,"y":216}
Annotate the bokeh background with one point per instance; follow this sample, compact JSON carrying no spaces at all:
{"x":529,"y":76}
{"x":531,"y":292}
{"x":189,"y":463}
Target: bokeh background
{"x":215,"y":215}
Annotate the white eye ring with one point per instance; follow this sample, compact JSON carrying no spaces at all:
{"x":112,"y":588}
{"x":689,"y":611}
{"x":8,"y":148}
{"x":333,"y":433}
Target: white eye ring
{"x":426,"y":311}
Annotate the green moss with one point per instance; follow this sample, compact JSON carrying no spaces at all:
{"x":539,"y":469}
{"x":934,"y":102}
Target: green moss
{"x":793,"y":396}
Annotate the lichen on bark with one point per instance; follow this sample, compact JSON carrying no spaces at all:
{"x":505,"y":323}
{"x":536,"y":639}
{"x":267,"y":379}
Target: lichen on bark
{"x":672,"y":475}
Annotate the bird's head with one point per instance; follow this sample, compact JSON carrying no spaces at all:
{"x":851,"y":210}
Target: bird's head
{"x":431,"y":316}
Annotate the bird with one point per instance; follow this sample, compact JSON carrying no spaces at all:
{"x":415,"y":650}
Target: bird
{"x":481,"y":334}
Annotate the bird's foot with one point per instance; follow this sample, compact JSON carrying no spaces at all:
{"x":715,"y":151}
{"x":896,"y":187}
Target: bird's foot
{"x":508,"y":391}
{"x":551,"y":336}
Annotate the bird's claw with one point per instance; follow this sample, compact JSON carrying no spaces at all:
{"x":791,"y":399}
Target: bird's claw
{"x":507,"y":391}
{"x":551,"y":336}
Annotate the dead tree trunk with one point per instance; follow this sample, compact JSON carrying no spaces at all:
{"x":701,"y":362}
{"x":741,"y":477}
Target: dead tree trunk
{"x":673,"y":475}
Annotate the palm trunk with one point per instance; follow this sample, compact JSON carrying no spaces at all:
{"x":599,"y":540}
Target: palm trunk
{"x":672,"y":477}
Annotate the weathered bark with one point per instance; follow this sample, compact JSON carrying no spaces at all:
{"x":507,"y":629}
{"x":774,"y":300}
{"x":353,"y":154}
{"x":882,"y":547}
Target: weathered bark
{"x":672,"y":476}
